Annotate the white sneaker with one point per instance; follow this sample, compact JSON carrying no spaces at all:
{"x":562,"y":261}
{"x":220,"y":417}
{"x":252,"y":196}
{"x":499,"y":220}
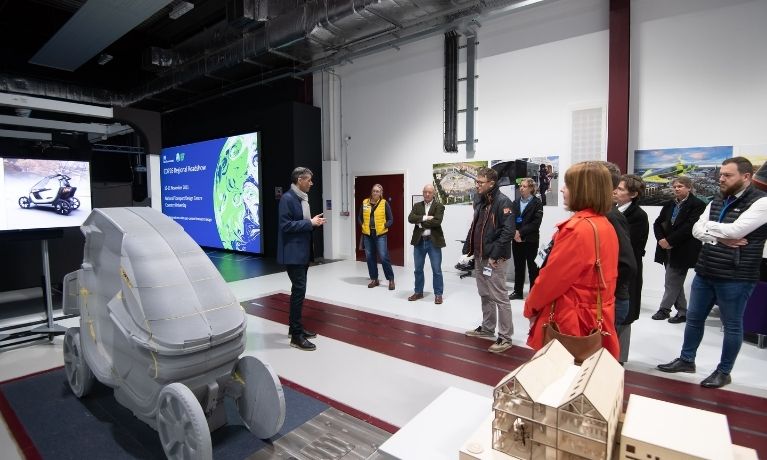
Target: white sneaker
{"x":500,"y":346}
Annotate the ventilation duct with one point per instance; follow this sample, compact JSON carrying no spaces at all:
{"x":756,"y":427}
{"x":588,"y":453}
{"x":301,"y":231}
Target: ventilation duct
{"x":311,"y":34}
{"x":451,"y":92}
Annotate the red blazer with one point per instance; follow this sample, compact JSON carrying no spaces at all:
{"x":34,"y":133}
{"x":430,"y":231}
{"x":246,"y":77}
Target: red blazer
{"x":569,"y":277}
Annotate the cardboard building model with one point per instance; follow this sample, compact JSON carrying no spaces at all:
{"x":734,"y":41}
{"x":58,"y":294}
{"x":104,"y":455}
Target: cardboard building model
{"x":551,"y":408}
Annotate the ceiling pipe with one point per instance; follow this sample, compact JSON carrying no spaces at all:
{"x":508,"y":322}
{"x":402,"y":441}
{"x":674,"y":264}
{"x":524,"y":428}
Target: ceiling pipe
{"x":328,"y":31}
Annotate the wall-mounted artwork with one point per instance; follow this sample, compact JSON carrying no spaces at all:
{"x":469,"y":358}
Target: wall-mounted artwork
{"x":543,"y":170}
{"x":756,"y":154}
{"x":658,"y":167}
{"x":454,"y":182}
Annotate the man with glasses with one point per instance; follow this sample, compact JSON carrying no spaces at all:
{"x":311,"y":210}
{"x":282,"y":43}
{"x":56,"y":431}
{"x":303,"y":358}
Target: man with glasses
{"x":489,"y":241}
{"x":733,"y":230}
{"x":294,"y":249}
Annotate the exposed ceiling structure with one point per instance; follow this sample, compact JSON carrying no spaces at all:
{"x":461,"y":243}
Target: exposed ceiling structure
{"x":166,"y":55}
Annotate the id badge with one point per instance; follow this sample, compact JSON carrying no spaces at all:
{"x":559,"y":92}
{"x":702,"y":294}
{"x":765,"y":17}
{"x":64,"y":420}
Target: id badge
{"x":487,"y":271}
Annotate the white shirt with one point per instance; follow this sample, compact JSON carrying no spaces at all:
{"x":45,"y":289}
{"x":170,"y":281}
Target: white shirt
{"x":623,"y":207}
{"x":752,"y":218}
{"x":426,"y":231}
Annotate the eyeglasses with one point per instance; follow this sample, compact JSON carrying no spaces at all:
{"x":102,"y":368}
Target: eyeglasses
{"x":481,"y":182}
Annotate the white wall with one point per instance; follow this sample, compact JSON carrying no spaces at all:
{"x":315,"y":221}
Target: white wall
{"x":699,"y":78}
{"x":534,"y":68}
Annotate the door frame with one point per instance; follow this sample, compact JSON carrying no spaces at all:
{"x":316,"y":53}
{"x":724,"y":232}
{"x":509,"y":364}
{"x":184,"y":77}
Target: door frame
{"x":407,"y":256}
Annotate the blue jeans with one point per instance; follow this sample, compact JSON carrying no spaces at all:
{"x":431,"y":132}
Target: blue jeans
{"x":373,"y":245}
{"x":731,"y":296}
{"x":621,"y":311}
{"x":420,"y":251}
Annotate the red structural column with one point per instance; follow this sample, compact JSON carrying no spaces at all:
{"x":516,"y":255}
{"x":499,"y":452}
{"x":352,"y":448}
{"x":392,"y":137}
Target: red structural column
{"x":620,"y":70}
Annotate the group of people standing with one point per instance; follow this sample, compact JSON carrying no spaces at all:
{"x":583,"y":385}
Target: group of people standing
{"x":590,"y":275}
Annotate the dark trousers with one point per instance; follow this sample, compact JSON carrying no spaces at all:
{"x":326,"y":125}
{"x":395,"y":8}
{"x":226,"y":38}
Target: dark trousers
{"x":524,"y":253}
{"x":297,"y":275}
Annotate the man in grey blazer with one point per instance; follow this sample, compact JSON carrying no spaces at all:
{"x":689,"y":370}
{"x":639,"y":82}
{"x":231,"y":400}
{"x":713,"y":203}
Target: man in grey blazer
{"x":428,"y":239}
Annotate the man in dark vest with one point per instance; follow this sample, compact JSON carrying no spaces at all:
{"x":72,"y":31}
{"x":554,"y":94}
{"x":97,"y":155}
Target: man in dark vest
{"x":677,"y":249}
{"x":733,"y":230}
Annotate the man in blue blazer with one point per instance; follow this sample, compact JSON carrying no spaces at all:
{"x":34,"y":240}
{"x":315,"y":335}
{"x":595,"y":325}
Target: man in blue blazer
{"x":294,"y":249}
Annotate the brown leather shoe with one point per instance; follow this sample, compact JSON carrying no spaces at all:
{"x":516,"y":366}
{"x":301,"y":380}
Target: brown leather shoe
{"x":415,"y":296}
{"x":391,"y":285}
{"x":438,"y":299}
{"x":373,"y":284}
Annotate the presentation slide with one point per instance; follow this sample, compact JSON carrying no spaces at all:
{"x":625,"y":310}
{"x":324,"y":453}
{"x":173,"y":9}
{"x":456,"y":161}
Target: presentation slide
{"x":43,"y":193}
{"x":212,"y":189}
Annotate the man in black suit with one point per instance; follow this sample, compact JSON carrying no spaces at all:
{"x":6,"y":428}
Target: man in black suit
{"x":677,"y":249}
{"x":528,"y":214}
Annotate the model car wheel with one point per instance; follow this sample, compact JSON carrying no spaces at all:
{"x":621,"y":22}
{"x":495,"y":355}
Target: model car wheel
{"x":62,"y":207}
{"x":181,"y":424}
{"x":262,"y":402}
{"x":25,"y":202}
{"x":74,"y":202}
{"x":79,"y":375}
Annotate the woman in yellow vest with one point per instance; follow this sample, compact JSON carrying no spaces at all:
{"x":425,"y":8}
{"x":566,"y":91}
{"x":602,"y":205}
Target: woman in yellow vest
{"x":375,"y":218}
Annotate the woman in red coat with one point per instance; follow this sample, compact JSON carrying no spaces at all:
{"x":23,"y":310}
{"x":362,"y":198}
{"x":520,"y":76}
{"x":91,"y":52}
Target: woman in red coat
{"x":569,"y":276}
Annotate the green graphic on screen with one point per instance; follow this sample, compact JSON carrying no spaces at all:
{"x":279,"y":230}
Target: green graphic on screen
{"x":235,"y":192}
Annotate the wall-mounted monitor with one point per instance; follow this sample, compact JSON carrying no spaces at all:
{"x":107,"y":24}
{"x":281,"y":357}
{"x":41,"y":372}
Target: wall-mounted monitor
{"x":212,"y":188}
{"x":40,"y":194}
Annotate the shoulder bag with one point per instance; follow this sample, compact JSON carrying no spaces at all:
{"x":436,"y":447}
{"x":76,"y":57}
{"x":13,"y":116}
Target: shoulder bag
{"x":581,"y":347}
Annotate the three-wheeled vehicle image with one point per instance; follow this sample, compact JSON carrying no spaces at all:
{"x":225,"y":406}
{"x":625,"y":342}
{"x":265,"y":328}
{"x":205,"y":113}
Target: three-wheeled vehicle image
{"x":161,"y":327}
{"x":54,"y":191}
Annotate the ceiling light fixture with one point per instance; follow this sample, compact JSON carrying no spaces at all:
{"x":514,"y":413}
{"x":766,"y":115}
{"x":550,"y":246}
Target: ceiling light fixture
{"x":179,"y":9}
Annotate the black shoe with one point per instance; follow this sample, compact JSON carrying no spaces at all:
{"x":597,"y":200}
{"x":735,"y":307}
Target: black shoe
{"x":307,"y":333}
{"x":716,"y":380}
{"x":300,"y":342}
{"x":515,"y":296}
{"x":677,"y":319}
{"x":677,"y":365}
{"x":661,"y":314}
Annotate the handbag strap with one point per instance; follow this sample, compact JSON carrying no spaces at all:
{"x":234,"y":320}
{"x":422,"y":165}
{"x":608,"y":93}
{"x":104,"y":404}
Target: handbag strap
{"x":600,"y":280}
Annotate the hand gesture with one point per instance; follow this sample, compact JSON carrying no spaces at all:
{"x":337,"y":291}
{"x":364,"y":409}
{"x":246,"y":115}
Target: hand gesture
{"x":318,"y":220}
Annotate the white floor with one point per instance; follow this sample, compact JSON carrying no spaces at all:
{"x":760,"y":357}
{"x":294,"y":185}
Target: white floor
{"x":391,"y":389}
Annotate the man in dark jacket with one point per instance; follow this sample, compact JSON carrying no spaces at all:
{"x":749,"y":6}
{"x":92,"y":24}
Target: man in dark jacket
{"x":294,"y":247}
{"x":489,"y":241}
{"x":677,"y":249}
{"x":528,"y":214}
{"x":627,"y":266}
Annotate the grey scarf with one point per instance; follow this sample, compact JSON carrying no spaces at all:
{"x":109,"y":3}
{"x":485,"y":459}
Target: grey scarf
{"x":304,"y":201}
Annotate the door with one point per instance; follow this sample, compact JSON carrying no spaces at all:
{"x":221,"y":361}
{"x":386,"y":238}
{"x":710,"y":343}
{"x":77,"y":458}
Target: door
{"x":393,"y":192}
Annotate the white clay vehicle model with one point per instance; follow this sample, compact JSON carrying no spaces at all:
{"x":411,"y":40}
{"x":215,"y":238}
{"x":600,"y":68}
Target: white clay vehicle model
{"x":160,"y":326}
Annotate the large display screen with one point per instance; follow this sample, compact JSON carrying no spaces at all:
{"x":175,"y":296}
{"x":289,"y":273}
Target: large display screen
{"x":212,"y":188}
{"x":40,"y":194}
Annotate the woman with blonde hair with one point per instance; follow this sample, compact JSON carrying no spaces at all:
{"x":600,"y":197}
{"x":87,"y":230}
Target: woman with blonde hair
{"x":375,"y":218}
{"x":570,"y":282}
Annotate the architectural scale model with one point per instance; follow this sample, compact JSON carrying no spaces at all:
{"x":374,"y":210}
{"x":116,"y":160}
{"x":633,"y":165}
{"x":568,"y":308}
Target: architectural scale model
{"x":697,"y":434}
{"x":549,"y":408}
{"x":160,"y":326}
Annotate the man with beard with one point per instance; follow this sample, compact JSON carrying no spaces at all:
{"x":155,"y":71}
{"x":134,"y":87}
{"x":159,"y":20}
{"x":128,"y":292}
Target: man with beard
{"x":733,"y":230}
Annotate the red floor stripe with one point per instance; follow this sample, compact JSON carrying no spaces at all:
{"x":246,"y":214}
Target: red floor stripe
{"x":467,"y":357}
{"x":16,"y":428}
